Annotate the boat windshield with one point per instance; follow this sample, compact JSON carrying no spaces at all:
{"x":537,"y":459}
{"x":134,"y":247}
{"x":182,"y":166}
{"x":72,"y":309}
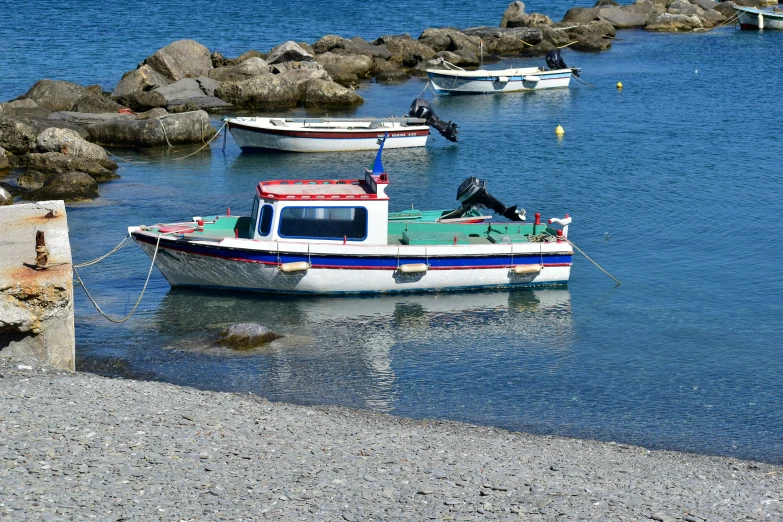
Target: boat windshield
{"x":324,"y":223}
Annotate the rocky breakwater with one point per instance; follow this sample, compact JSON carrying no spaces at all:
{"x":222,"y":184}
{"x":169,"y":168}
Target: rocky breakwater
{"x":36,"y":304}
{"x":656,"y":15}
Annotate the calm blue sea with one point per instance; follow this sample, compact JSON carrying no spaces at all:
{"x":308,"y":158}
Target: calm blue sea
{"x":674,"y":185}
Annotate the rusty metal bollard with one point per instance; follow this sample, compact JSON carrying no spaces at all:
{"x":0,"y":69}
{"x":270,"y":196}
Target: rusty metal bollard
{"x":41,"y":252}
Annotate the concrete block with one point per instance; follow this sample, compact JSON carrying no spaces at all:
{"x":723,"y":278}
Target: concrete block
{"x":36,"y":306}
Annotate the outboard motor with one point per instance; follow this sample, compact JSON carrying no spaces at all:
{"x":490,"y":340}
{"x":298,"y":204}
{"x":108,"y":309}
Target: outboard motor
{"x":420,"y":108}
{"x":473,"y":192}
{"x":555,"y":61}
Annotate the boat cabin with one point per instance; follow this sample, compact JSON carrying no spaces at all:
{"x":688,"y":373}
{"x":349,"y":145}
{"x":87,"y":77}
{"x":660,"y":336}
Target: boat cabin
{"x":337,"y":211}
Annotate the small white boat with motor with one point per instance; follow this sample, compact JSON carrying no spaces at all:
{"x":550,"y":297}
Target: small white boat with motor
{"x":339,"y":134}
{"x":335,"y":236}
{"x":455,"y":80}
{"x":755,"y":18}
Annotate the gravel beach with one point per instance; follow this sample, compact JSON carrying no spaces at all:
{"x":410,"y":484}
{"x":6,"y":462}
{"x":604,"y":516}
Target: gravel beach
{"x":79,"y":446}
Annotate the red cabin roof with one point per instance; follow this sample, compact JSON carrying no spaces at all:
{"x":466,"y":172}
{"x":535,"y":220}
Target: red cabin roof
{"x":324,"y":189}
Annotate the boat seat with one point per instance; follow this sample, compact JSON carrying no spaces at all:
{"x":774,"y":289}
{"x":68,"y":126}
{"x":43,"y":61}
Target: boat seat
{"x":278,"y":123}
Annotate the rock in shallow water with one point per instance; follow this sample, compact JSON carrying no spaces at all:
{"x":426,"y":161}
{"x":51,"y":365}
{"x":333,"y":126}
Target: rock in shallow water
{"x":69,"y":186}
{"x":244,"y":336}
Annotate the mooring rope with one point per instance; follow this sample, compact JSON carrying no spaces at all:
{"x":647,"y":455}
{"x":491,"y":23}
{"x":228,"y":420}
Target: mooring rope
{"x":596,"y":264}
{"x":125,"y":242}
{"x":577,"y":78}
{"x":152,"y":264}
{"x":167,"y":141}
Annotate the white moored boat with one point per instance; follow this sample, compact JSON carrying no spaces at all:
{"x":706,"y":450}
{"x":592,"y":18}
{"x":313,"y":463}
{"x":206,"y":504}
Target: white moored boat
{"x":337,"y":236}
{"x":754,"y":18}
{"x":455,"y":80}
{"x":340,"y":134}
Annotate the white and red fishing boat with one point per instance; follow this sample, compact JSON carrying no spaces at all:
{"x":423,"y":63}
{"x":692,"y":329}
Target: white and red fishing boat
{"x":338,"y":134}
{"x":336,"y":236}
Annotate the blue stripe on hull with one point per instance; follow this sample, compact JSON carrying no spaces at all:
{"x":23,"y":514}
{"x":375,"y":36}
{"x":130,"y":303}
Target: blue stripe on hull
{"x":371,"y":262}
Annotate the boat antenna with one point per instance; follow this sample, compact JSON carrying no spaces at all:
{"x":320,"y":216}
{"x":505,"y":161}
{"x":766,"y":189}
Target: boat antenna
{"x":377,"y":167}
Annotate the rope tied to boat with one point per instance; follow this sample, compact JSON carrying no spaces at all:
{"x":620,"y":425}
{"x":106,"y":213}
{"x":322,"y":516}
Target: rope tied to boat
{"x":144,"y":288}
{"x":170,"y":145}
{"x":596,"y":264}
{"x":125,"y":242}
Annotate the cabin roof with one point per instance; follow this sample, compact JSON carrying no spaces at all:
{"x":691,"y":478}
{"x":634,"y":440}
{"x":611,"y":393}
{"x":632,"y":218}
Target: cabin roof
{"x":325,"y":190}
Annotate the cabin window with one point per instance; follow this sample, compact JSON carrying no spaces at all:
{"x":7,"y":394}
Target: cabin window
{"x":254,"y":215}
{"x":265,"y":223}
{"x":324,"y":223}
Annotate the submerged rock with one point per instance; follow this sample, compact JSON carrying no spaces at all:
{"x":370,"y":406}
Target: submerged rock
{"x":69,"y":186}
{"x":244,"y":336}
{"x":58,"y":163}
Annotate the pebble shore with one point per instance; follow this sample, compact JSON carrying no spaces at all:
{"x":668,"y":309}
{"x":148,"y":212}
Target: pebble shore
{"x":76,"y":446}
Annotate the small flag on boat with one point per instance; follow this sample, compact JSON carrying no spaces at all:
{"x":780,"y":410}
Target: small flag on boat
{"x":377,"y":167}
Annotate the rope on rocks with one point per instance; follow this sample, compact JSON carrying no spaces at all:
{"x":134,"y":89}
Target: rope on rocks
{"x":125,"y":242}
{"x":118,"y":321}
{"x":596,"y":264}
{"x":205,"y":144}
{"x":160,"y":120}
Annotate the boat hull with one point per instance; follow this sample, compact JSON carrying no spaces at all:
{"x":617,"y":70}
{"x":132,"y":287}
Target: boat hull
{"x":298,"y":140}
{"x":748,"y":19}
{"x":220,"y":267}
{"x":454,"y":82}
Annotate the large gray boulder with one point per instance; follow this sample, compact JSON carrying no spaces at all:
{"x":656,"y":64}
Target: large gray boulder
{"x":622,"y":18}
{"x":683,"y":7}
{"x":302,"y":77}
{"x":404,"y":50}
{"x":3,"y":159}
{"x":725,"y":8}
{"x":32,"y":179}
{"x":77,"y":120}
{"x":68,"y":186}
{"x":530,"y":35}
{"x":180,"y":90}
{"x":243,"y":71}
{"x":188,"y":94}
{"x":26,"y":108}
{"x":245,"y":336}
{"x":5,"y":199}
{"x":208,"y":85}
{"x":289,"y":51}
{"x":55,"y":95}
{"x":144,"y":78}
{"x":580,"y":15}
{"x":449,"y":39}
{"x":174,"y":129}
{"x":282,"y":67}
{"x":17,"y":136}
{"x":386,"y":72}
{"x":262,"y":92}
{"x":676,"y":23}
{"x":345,"y":69}
{"x":706,"y":4}
{"x":326,"y":94}
{"x":68,"y":142}
{"x":327,"y":43}
{"x":94,"y":102}
{"x":141,"y":101}
{"x":514,"y":15}
{"x":181,"y":59}
{"x":650,"y":9}
{"x":358,"y":45}
{"x":57,"y":163}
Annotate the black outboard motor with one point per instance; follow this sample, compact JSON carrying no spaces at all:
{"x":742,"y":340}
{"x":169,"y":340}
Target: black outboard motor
{"x":555,"y":61}
{"x":420,"y":108}
{"x":473,"y":192}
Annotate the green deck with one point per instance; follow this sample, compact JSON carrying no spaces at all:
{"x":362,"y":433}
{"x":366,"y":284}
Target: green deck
{"x":405,"y":228}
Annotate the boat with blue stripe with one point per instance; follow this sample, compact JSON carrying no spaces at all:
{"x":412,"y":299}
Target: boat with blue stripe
{"x":337,"y":237}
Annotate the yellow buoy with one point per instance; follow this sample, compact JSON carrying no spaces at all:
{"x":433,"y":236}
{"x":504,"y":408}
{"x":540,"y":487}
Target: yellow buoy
{"x":559,"y":130}
{"x":619,"y":85}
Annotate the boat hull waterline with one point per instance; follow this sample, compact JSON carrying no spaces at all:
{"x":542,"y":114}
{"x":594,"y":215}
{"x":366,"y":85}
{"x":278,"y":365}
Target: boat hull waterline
{"x":221,"y":265}
{"x":486,"y":82}
{"x":301,"y":139}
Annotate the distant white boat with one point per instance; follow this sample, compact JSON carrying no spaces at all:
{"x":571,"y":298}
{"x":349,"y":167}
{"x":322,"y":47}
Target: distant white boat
{"x":754,"y":18}
{"x":459,"y":81}
{"x":326,"y":135}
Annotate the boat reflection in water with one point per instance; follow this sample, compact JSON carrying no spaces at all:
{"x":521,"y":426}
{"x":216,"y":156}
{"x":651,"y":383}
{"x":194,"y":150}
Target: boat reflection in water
{"x":368,"y":352}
